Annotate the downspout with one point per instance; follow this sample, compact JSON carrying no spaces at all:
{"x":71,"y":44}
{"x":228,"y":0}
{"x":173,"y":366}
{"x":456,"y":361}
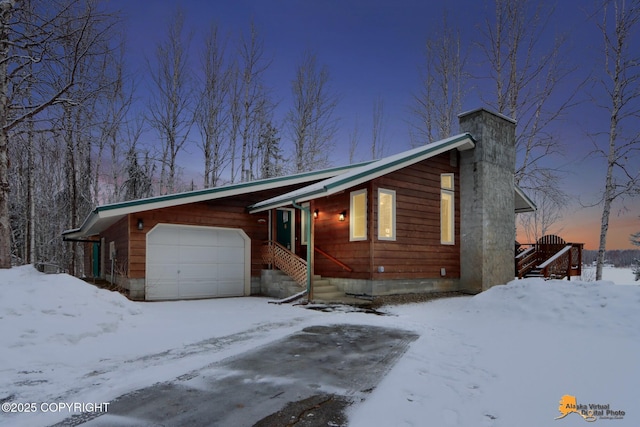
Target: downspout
{"x":307,"y":211}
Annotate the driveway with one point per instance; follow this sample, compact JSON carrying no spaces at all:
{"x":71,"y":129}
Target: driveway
{"x":305,"y":379}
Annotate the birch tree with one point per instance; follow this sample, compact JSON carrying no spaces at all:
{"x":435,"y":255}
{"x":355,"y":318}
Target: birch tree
{"x":443,"y":79}
{"x":32,"y":35}
{"x":254,"y":104}
{"x":535,"y":85}
{"x":377,"y":129}
{"x":311,"y":121}
{"x":213,"y":111}
{"x":171,"y":107}
{"x":526,"y":76}
{"x":621,"y":84}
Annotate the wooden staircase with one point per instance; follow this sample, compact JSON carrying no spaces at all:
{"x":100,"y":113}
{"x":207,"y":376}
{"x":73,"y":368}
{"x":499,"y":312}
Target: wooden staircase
{"x":549,"y":258}
{"x":291,"y":278}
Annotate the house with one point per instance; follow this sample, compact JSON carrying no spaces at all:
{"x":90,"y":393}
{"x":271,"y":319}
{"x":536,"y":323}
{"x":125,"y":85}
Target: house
{"x":440,"y":217}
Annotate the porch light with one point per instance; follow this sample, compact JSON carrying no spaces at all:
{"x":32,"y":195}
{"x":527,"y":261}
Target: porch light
{"x":315,"y":213}
{"x":342,"y":216}
{"x":140,"y":224}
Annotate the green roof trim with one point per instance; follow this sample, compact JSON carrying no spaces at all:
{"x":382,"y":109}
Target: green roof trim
{"x":369,"y":171}
{"x":104,"y":216}
{"x":365,"y":172}
{"x":224,"y":188}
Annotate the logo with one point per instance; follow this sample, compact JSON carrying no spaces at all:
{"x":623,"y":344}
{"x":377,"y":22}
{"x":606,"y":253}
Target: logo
{"x":590,"y":412}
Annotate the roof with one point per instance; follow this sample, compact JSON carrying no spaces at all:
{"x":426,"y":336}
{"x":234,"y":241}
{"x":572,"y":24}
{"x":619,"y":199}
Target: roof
{"x":367,"y":172}
{"x":523,"y":202}
{"x":102,"y":217}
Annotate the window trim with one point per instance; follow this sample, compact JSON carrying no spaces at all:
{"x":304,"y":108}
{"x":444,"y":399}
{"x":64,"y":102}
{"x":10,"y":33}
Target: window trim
{"x":452,"y":219}
{"x":352,"y":217}
{"x":392,"y":193}
{"x":303,"y":222}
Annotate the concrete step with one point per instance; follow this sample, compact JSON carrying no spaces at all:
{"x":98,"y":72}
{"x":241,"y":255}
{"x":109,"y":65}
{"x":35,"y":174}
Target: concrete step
{"x":321,"y":282}
{"x":328,"y":296}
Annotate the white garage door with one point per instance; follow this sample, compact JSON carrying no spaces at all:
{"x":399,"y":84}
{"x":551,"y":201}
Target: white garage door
{"x":196,"y":262}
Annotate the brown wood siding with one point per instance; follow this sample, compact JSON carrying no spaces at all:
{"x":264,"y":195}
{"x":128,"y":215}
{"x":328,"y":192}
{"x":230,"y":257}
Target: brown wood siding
{"x":417,"y":251}
{"x":332,"y":236}
{"x":202,"y":214}
{"x":230,"y":212}
{"x":119,"y":234}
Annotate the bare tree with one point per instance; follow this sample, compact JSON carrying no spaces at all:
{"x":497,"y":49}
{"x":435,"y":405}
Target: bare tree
{"x":619,"y":27}
{"x":527,"y":77}
{"x":117,"y":130}
{"x":254,"y":104}
{"x":171,"y":107}
{"x":310,"y":120}
{"x":353,"y":142}
{"x":542,"y":221}
{"x":377,"y":130}
{"x":47,"y":41}
{"x":213,"y":112}
{"x":443,"y":78}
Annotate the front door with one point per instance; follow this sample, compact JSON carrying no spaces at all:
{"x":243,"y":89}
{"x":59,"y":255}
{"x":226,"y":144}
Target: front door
{"x":285,"y":227}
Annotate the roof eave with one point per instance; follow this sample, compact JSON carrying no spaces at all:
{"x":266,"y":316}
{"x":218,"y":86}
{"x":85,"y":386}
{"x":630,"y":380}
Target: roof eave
{"x":460,"y":142}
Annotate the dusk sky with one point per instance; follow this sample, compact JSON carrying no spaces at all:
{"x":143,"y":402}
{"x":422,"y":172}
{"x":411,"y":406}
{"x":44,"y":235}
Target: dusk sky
{"x":372,"y":49}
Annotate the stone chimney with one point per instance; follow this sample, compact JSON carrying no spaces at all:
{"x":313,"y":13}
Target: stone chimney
{"x":487,"y":211}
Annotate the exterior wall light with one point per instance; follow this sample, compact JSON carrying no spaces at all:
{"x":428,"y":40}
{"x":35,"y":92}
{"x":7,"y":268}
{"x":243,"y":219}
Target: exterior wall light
{"x":140,"y":224}
{"x":342,"y":216}
{"x":315,"y":213}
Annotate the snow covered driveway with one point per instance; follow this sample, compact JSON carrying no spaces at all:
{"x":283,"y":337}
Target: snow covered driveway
{"x":505,"y":357}
{"x":333,"y":363}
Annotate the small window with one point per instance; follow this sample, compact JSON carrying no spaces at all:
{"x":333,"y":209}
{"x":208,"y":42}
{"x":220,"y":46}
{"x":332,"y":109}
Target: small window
{"x":304,"y":224}
{"x":358,"y":216}
{"x":447,"y":212}
{"x":386,"y":214}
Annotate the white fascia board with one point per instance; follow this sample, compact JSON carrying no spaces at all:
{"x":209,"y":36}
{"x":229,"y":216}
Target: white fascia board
{"x":523,"y":203}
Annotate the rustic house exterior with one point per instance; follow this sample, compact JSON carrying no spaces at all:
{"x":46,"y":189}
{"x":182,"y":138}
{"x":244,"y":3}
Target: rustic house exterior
{"x":440,"y":217}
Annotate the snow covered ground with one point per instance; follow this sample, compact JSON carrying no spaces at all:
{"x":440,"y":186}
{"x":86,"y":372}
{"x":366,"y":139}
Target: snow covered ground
{"x":502,"y":358}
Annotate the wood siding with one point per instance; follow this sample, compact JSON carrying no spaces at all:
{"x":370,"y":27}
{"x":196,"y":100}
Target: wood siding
{"x":119,"y":234}
{"x":230,"y":212}
{"x":417,"y":252}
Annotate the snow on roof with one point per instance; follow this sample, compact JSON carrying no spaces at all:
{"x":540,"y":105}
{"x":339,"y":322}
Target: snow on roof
{"x":367,"y":172}
{"x":102,"y":217}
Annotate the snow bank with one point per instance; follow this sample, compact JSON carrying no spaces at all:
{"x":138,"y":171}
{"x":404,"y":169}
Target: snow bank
{"x":506,"y":357}
{"x":502,"y":358}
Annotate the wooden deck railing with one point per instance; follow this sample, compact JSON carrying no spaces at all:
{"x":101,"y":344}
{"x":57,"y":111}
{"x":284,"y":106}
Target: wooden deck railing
{"x":291,"y":264}
{"x":526,"y":261}
{"x":551,"y":257}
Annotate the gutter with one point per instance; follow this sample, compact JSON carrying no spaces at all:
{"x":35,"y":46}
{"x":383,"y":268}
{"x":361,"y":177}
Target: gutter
{"x":307,"y":211}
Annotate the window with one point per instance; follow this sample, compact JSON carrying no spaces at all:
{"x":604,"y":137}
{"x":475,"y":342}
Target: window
{"x":386,"y":214}
{"x":447,"y":217}
{"x":304,"y":224}
{"x":358,"y":216}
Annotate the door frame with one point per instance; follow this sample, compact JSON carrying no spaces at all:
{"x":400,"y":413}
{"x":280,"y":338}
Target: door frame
{"x":292,"y":221}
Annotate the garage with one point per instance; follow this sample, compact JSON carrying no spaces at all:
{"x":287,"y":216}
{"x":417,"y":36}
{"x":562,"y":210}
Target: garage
{"x":185,"y":261}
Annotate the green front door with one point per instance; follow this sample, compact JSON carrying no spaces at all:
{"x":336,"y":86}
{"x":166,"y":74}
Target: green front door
{"x":96,"y":260}
{"x":284,"y":227}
